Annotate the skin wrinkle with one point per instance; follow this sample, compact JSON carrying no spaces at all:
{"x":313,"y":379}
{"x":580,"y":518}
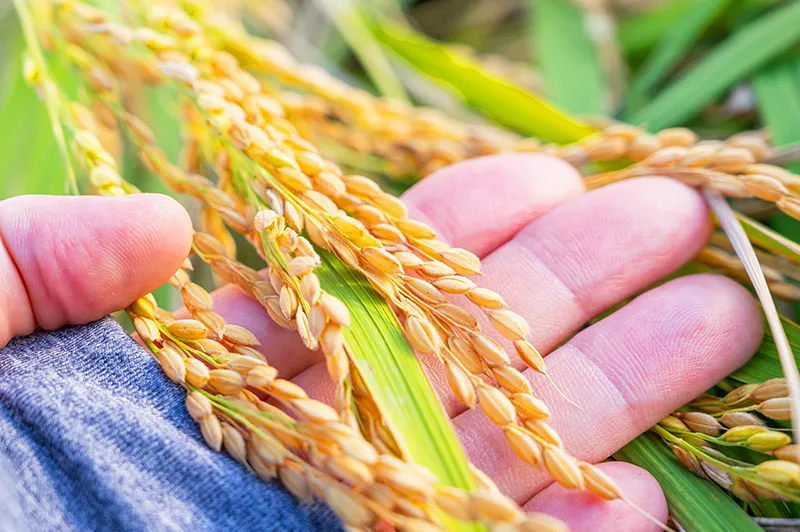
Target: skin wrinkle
{"x":13,"y":322}
{"x":689,"y":320}
{"x":614,"y":228}
{"x":97,"y":267}
{"x":565,"y":312}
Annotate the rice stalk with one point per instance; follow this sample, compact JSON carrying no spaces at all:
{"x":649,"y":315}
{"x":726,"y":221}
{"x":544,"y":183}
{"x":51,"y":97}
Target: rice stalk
{"x":174,"y":342}
{"x":34,"y":72}
{"x":313,"y":453}
{"x":744,"y":250}
{"x":413,"y":249}
{"x":275,"y":187}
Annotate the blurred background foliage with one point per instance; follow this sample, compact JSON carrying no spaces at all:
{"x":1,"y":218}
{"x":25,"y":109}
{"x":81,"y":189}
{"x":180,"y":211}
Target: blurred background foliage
{"x":716,"y":66}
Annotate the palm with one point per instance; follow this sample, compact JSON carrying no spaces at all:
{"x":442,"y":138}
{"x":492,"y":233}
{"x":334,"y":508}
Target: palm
{"x":560,"y":258}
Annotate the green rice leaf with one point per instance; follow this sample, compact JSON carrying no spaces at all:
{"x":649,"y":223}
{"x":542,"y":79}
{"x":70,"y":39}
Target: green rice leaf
{"x":643,"y":30}
{"x":764,"y":237}
{"x":29,"y":161}
{"x":765,"y":364}
{"x":396,"y":379}
{"x":697,"y":504}
{"x":353,"y":28}
{"x":741,"y":54}
{"x":567,"y":58}
{"x":672,"y":47}
{"x":777,"y":89}
{"x":504,"y":102}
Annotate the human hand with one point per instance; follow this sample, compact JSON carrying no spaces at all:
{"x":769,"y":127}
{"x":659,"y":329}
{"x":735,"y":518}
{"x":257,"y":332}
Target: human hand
{"x":72,"y":260}
{"x":558,"y":257}
{"x":561,"y":257}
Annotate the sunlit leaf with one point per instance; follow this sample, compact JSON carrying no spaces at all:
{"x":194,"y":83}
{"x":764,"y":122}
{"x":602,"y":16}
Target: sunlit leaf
{"x":395,"y":377}
{"x":672,"y":47}
{"x":765,"y":364}
{"x":498,"y":98}
{"x":348,"y":19}
{"x":764,"y":237}
{"x":640,"y":31}
{"x":567,"y":58}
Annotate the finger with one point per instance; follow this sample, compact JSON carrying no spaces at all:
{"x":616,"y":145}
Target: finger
{"x":586,"y":511}
{"x":595,"y":251}
{"x":477,"y":204}
{"x":72,"y":260}
{"x":583,"y":257}
{"x":481,"y":203}
{"x":627,"y":372}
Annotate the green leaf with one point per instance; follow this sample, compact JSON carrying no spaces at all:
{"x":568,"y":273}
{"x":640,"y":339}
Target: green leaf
{"x":643,"y":30}
{"x":498,"y":98}
{"x":765,"y":364}
{"x":353,"y":28}
{"x":568,"y":61}
{"x":777,"y":89}
{"x":764,"y":237}
{"x":672,"y":47}
{"x":734,"y":59}
{"x":697,"y":504}
{"x":395,"y":377}
{"x":29,"y":159}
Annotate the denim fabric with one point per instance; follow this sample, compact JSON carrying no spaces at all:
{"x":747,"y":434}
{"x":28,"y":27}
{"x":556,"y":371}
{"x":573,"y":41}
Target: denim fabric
{"x":94,"y":437}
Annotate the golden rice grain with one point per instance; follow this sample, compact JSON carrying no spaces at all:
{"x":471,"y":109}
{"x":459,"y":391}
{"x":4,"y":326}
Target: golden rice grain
{"x":197,"y":373}
{"x":188,"y":329}
{"x":523,"y":445}
{"x":212,"y":431}
{"x":234,"y":443}
{"x":461,"y":385}
{"x":599,"y":483}
{"x":198,"y":405}
{"x":563,"y":468}
{"x":226,"y":382}
{"x":172,"y":363}
{"x":495,"y":405}
{"x":702,"y":422}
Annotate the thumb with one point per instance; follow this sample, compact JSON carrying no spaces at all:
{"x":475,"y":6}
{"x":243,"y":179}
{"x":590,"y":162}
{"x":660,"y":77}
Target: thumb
{"x":71,"y":260}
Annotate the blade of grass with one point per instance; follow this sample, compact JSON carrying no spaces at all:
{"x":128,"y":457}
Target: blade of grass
{"x":349,"y":20}
{"x":733,"y":60}
{"x":26,"y":162}
{"x":777,"y":90}
{"x":29,"y":31}
{"x":671,"y":48}
{"x":697,"y":504}
{"x":568,"y":61}
{"x":766,"y":364}
{"x":766,"y":238}
{"x":496,"y":97}
{"x":395,"y":378}
{"x":744,"y":250}
{"x":639,"y":32}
